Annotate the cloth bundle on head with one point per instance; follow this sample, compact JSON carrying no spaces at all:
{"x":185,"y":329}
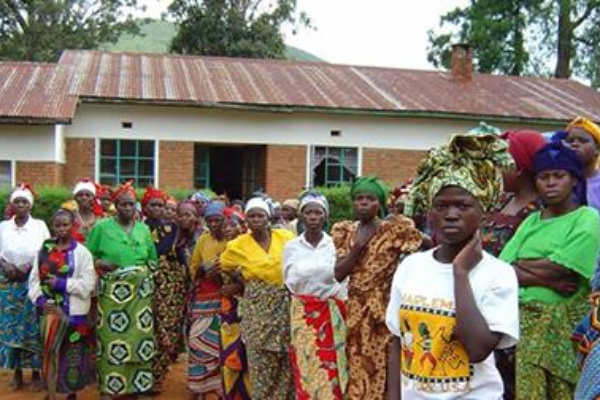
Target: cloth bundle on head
{"x":23,"y":191}
{"x":586,"y":125}
{"x":471,"y":162}
{"x":85,"y":184}
{"x":152,"y":193}
{"x":294,"y":203}
{"x":522,"y":146}
{"x":260,"y":203}
{"x":126,"y":187}
{"x":213,"y":209}
{"x":557,"y":156}
{"x":313,"y":197}
{"x":373,"y":185}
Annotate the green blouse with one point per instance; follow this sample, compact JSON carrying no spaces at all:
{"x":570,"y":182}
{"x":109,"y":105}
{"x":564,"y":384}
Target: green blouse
{"x":109,"y":241}
{"x":571,"y":240}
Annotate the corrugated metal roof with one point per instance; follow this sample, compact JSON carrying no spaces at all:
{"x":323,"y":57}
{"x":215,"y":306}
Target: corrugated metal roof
{"x":35,"y":92}
{"x":51,"y":91}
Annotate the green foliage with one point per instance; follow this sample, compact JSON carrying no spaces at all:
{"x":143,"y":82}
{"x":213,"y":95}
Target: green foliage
{"x":154,"y":37}
{"x":340,"y":203}
{"x":39,"y":30}
{"x":235,"y":28}
{"x":519,"y":37}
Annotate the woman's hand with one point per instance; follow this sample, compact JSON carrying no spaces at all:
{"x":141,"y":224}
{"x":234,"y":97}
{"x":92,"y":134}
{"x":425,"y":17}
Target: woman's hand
{"x":105,"y":266}
{"x":50,"y":308}
{"x":469,"y":256}
{"x":364,"y":234}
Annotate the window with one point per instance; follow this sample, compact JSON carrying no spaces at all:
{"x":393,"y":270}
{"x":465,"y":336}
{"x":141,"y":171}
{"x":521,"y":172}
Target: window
{"x":121,"y":160}
{"x":6,"y":175}
{"x":332,"y":166}
{"x":201,"y":167}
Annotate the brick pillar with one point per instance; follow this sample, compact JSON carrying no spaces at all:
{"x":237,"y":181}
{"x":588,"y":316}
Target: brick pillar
{"x":81,"y":160}
{"x":393,"y":166}
{"x":285,"y":171}
{"x":40,"y":173}
{"x":176,"y":165}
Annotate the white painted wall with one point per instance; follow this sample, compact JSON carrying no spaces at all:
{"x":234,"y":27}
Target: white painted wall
{"x":221,"y":126}
{"x":28,"y":143}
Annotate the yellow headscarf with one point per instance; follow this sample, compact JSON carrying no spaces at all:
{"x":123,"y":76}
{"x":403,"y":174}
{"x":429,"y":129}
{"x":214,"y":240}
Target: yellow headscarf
{"x":587,"y":125}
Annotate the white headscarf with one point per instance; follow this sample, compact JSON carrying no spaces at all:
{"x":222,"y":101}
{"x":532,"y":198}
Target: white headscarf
{"x":84,"y":185}
{"x":257,"y":202}
{"x":22,"y":192}
{"x":314,"y":198}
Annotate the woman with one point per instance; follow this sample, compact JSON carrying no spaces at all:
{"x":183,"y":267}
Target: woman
{"x":204,"y":372}
{"x":451,"y":306}
{"x":258,"y":255}
{"x":234,"y":360}
{"x":125,"y":259}
{"x":519,"y":200}
{"x":21,"y":238}
{"x":86,"y":208}
{"x":554,"y":253}
{"x":368,"y":252}
{"x":188,"y":233}
{"x":61,"y":285}
{"x":318,"y":309}
{"x":169,"y":285}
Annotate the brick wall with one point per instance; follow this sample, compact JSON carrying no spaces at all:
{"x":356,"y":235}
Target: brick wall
{"x":285,"y":171}
{"x":176,"y":165}
{"x":81,"y":160}
{"x":393,"y":166}
{"x":40,"y":173}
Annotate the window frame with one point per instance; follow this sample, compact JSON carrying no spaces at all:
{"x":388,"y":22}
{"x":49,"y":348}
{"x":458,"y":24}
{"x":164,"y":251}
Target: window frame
{"x":341,"y":165}
{"x":118,"y":158}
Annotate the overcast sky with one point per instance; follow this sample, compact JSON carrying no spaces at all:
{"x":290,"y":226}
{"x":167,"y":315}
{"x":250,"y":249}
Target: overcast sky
{"x":388,"y":33}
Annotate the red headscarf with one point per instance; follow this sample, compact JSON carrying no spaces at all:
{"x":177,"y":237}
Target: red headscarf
{"x":232,"y":213}
{"x":123,"y":188}
{"x":153,"y":193}
{"x":522,"y":146}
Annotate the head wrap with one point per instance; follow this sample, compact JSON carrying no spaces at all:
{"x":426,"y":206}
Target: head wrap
{"x":373,"y":185}
{"x":152,"y":193}
{"x":587,"y":125}
{"x":557,"y":156}
{"x":260,"y":203}
{"x":313,"y":197}
{"x":171,"y":200}
{"x":199,"y":196}
{"x":214,"y":209}
{"x":102,"y":190}
{"x":126,"y":187}
{"x":231,"y":213}
{"x":471,"y":162}
{"x":485,"y":129}
{"x":23,"y":191}
{"x":522,"y":146}
{"x":85,"y":184}
{"x":294,"y":203}
{"x":188,"y":202}
{"x":401,"y":192}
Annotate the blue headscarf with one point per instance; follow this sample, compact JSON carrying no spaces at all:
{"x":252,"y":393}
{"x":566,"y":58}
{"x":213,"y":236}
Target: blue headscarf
{"x":556,"y":155}
{"x":213,"y":209}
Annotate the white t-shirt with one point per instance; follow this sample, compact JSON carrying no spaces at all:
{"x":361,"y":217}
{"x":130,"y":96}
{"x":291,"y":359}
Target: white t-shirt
{"x":309,"y":270}
{"x":20,"y":244}
{"x":421,"y":312}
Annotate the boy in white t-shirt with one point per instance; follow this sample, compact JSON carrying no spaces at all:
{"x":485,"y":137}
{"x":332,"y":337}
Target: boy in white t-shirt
{"x":451,"y":306}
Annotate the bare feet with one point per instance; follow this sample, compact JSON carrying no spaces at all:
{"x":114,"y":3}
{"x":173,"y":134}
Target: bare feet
{"x":16,"y":382}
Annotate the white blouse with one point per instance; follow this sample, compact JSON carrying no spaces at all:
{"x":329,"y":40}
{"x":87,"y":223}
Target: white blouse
{"x":20,"y":245}
{"x":309,"y":270}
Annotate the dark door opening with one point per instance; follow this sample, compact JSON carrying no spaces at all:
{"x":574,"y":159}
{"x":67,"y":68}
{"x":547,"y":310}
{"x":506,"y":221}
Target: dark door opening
{"x":233,"y":170}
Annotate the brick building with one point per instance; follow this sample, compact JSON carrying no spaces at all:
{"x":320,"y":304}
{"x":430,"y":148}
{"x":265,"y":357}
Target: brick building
{"x":237,"y":125}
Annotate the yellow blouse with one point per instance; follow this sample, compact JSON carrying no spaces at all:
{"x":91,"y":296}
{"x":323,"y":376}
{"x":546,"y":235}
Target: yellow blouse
{"x":253,"y":261}
{"x":207,"y":249}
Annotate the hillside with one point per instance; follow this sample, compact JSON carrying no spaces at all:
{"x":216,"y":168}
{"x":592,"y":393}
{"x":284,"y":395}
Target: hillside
{"x":156,"y":37}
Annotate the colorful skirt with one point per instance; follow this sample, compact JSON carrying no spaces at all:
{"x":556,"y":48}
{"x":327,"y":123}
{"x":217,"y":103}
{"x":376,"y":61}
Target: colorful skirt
{"x":20,"y":340}
{"x":234,"y":362}
{"x":204,"y":343}
{"x":125,"y":331}
{"x":318,"y":349}
{"x":169,"y":314}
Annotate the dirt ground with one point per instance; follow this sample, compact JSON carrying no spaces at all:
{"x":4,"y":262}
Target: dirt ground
{"x":174,"y":389}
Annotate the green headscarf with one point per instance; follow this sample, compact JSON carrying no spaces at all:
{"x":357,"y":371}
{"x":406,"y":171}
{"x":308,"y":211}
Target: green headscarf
{"x":373,"y":185}
{"x":469,"y":161}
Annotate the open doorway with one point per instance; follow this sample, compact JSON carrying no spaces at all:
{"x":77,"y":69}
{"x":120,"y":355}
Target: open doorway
{"x":236,"y":170}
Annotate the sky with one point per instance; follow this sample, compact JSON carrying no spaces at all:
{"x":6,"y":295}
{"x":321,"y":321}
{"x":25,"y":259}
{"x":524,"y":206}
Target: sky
{"x":385,"y":33}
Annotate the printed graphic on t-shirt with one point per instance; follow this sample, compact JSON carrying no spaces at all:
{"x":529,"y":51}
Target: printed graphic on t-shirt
{"x":432,"y":360}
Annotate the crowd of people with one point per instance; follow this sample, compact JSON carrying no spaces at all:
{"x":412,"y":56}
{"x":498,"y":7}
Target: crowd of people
{"x":476,"y":279}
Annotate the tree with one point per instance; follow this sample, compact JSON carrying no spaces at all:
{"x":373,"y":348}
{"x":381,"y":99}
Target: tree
{"x":235,"y":28}
{"x":520,"y":36}
{"x":39,"y":30}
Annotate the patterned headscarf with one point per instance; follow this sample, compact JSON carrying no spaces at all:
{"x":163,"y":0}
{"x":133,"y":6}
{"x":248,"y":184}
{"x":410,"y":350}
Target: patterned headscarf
{"x":313,"y":197}
{"x":373,"y":185}
{"x":199,"y":196}
{"x":126,"y":187}
{"x":556,"y":155}
{"x":153,"y":193}
{"x":587,"y":125}
{"x":471,"y":162}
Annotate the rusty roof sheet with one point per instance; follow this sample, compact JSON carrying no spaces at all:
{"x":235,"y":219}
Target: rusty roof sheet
{"x":35,"y":92}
